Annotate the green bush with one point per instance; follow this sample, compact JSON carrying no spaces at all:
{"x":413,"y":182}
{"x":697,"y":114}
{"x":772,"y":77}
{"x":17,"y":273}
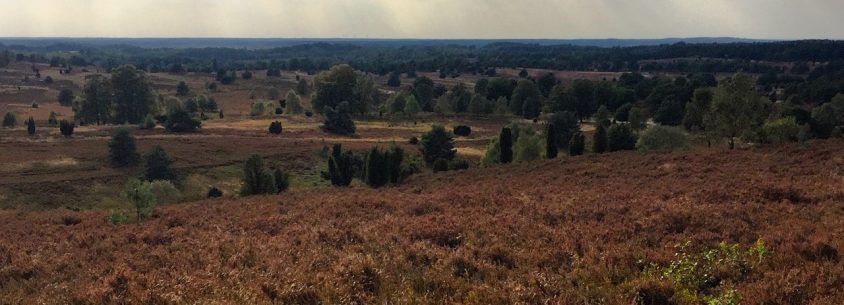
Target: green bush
{"x":9,"y":120}
{"x":148,"y":122}
{"x":437,"y":144}
{"x":781,"y":131}
{"x":157,"y":165}
{"x":165,"y":192}
{"x":257,"y":180}
{"x":139,"y":194}
{"x":338,"y":120}
{"x":342,"y":166}
{"x":214,"y":192}
{"x":659,"y":137}
{"x":260,"y":109}
{"x":621,"y":137}
{"x":599,"y":140}
{"x":440,"y":165}
{"x":275,"y":127}
{"x":528,"y":147}
{"x":577,"y":144}
{"x":66,"y":128}
{"x":182,"y":121}
{"x":122,"y":151}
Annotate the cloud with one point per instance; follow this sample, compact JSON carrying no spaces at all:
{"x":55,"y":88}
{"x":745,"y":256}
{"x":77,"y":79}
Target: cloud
{"x":424,"y":18}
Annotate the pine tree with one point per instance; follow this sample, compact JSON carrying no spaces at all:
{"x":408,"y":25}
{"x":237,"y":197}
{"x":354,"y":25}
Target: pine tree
{"x":375,"y":170}
{"x":550,"y":143}
{"x":599,"y":140}
{"x":340,"y":167}
{"x":506,"y":142}
{"x":66,"y":128}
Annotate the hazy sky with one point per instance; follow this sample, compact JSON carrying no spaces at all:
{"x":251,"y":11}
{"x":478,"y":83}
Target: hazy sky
{"x":775,"y":19}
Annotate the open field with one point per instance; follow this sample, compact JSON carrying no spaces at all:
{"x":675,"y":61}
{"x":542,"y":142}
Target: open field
{"x":576,"y":231}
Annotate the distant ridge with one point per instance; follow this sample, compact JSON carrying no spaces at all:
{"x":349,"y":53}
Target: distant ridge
{"x":260,"y":43}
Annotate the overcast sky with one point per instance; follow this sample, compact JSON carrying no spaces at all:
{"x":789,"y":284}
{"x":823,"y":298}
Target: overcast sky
{"x":771,"y":19}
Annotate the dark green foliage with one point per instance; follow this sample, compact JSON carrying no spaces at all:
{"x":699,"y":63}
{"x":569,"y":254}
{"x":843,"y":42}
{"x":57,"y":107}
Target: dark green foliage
{"x":413,"y":140}
{"x":341,"y":84}
{"x":440,"y":165}
{"x":96,"y":106}
{"x":523,"y":73}
{"x":532,"y":108}
{"x":550,"y":142}
{"x":546,"y":82}
{"x":621,"y":137}
{"x":458,"y":164}
{"x":525,"y":92}
{"x":246,"y":75}
{"x":302,"y":87}
{"x":122,"y":150}
{"x":577,"y":144}
{"x":437,"y":144}
{"x":341,"y":166}
{"x":30,"y":126}
{"x":339,"y":120}
{"x":214,"y":192}
{"x":565,"y":124}
{"x":599,"y":140}
{"x":182,"y":89}
{"x":670,"y":112}
{"x":158,"y":165}
{"x":282,"y":180}
{"x":376,"y":168}
{"x":423,"y":90}
{"x":9,"y":120}
{"x":584,"y":97}
{"x":222,"y":116}
{"x":65,"y":97}
{"x":66,"y":128}
{"x":500,"y":87}
{"x":462,"y":130}
{"x":622,"y":114}
{"x":133,"y":95}
{"x":506,"y":145}
{"x":275,"y":127}
{"x":257,"y":180}
{"x":191,"y":106}
{"x":181,"y":121}
{"x":52,"y":121}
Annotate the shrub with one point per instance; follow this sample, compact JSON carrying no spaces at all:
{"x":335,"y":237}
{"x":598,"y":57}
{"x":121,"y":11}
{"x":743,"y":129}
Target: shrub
{"x":214,"y":192}
{"x":528,"y":147}
{"x":462,"y":130}
{"x":158,"y":165}
{"x":621,"y":137}
{"x":781,"y":131}
{"x":182,"y":121}
{"x":34,"y":105}
{"x":458,"y":164}
{"x":565,"y":124}
{"x":599,"y":140}
{"x":275,"y":127}
{"x":65,"y":97}
{"x":164,"y":191}
{"x":246,"y":75}
{"x":117,"y":217}
{"x":437,"y":144}
{"x":9,"y":120}
{"x":341,"y":166}
{"x":577,"y":144}
{"x":30,"y":126}
{"x":382,"y":167}
{"x":256,"y":179}
{"x":261,"y":108}
{"x":292,"y":104}
{"x":148,"y":122}
{"x":139,"y":193}
{"x":52,"y":119}
{"x":309,"y":114}
{"x":122,"y":151}
{"x":66,"y":128}
{"x":659,"y":137}
{"x":440,"y":165}
{"x":282,"y":180}
{"x":413,"y":140}
{"x":338,"y":120}
{"x":182,"y":89}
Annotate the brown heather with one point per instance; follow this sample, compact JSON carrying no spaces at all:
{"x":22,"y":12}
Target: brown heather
{"x":574,"y":231}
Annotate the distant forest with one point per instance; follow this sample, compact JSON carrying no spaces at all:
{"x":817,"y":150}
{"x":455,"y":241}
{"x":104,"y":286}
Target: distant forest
{"x":450,"y":60}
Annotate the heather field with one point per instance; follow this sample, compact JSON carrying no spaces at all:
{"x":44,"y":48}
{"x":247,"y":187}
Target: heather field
{"x":759,"y":225}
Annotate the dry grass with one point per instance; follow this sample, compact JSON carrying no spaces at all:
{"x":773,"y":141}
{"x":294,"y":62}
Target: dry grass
{"x":574,"y":231}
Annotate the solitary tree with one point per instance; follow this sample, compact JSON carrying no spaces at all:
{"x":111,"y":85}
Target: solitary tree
{"x":275,"y":127}
{"x":9,"y":120}
{"x":66,"y":128}
{"x":506,"y":143}
{"x":733,"y":103}
{"x":621,"y":137}
{"x":140,"y":194}
{"x":292,"y":104}
{"x":158,"y":165}
{"x":437,"y":144}
{"x":122,"y":151}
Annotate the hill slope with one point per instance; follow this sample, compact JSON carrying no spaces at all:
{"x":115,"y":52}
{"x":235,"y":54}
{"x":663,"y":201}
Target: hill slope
{"x":593,"y":229}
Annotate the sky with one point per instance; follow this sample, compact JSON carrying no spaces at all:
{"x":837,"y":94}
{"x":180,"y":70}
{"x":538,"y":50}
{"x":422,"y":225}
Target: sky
{"x":445,"y":19}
